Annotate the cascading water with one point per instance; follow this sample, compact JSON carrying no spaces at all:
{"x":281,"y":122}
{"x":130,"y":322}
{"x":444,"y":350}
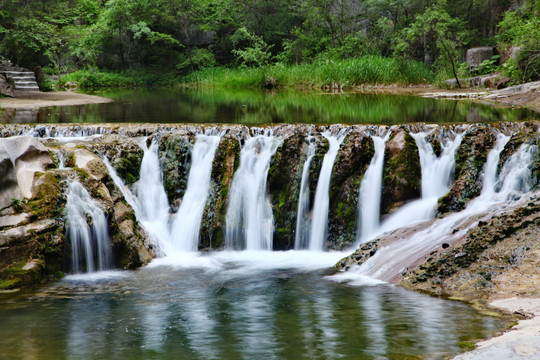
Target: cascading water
{"x":369,"y":201}
{"x":301,"y":238}
{"x":187,"y":221}
{"x":437,"y":175}
{"x":150,"y":200}
{"x":489,"y":175}
{"x":512,"y":182}
{"x":90,"y":245}
{"x":319,"y":222}
{"x":249,"y":220}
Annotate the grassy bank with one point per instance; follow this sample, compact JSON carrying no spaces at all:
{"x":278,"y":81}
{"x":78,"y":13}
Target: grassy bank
{"x":95,"y":78}
{"x":348,"y":72}
{"x":343,"y":73}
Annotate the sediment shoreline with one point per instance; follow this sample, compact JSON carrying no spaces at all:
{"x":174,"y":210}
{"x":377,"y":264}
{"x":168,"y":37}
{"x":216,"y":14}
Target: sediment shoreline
{"x":36,"y":100}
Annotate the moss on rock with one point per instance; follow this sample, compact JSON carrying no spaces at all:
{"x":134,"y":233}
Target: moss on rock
{"x":470,"y":159}
{"x":175,"y":149}
{"x":402,"y":177}
{"x":350,"y":165}
{"x":226,"y":161}
{"x":284,"y":178}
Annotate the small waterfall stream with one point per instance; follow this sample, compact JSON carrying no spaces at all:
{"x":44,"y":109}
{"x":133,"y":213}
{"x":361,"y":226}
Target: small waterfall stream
{"x":187,"y":221}
{"x":249,"y":221}
{"x":369,"y":197}
{"x":90,"y":244}
{"x":437,"y":175}
{"x":151,"y":204}
{"x":319,"y":222}
{"x":301,"y":239}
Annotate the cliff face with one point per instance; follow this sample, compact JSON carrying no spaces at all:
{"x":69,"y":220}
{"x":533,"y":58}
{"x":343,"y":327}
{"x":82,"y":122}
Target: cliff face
{"x":36,"y":173}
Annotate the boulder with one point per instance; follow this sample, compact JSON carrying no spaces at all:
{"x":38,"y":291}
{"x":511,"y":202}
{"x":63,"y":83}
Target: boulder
{"x":475,"y":56}
{"x":20,"y":158}
{"x":6,"y":88}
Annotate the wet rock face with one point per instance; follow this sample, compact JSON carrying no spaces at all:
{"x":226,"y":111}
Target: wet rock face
{"x":470,"y":160}
{"x":284,"y":177}
{"x":350,"y":165}
{"x":124,"y":154}
{"x":175,"y":154}
{"x":402,"y":173}
{"x":226,"y":161}
{"x":360,"y":256}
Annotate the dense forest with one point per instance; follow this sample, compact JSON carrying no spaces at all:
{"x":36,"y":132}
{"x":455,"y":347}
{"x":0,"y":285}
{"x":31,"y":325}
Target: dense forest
{"x":183,"y":36}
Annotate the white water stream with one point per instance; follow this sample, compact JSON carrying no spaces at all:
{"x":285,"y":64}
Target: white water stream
{"x":319,"y":222}
{"x":369,"y":198}
{"x":187,"y":221}
{"x":249,"y":220}
{"x":90,"y":245}
{"x":437,"y":173}
{"x":303,"y":223}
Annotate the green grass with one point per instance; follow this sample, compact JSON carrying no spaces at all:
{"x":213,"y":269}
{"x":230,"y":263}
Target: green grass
{"x":349,"y":72}
{"x":94,"y":78}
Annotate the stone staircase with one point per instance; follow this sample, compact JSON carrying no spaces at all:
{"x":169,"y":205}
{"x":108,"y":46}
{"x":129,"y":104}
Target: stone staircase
{"x":23,"y":80}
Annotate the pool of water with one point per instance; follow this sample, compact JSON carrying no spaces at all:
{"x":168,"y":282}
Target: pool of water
{"x":232,"y":305}
{"x":253,"y":107}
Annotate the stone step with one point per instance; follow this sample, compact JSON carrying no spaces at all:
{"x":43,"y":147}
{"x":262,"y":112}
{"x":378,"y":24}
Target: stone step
{"x":23,"y":80}
{"x":28,"y":88}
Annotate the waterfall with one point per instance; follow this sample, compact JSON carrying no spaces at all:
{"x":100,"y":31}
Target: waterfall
{"x":90,"y":245}
{"x":513,"y":180}
{"x":437,"y":173}
{"x":489,"y":175}
{"x":319,"y":222}
{"x":249,"y":220}
{"x":301,"y":238}
{"x":187,"y":221}
{"x":149,"y":200}
{"x":369,"y":197}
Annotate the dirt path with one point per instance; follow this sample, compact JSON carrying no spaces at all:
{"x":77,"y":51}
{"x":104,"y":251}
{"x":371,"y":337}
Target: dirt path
{"x":35,"y":100}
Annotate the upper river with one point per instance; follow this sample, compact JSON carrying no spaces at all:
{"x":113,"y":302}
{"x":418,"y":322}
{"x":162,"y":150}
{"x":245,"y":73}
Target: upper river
{"x":254,"y":107}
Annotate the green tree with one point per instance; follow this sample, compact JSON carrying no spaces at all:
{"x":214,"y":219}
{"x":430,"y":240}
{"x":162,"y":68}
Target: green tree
{"x":256,"y":51}
{"x":436,"y":35}
{"x":520,"y":30}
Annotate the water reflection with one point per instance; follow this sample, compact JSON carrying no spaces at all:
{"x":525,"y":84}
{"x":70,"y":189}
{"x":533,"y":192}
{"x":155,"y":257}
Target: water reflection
{"x":166,"y":312}
{"x":252,"y":107}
